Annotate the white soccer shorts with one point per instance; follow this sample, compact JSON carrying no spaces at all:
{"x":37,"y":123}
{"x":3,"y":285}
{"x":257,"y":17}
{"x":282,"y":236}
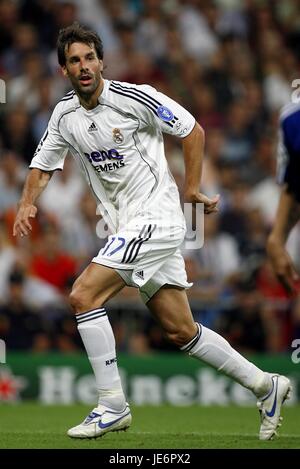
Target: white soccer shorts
{"x":146,"y":256}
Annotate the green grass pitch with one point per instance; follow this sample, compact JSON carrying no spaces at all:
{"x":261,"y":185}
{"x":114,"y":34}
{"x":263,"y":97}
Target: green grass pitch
{"x":34,"y":426}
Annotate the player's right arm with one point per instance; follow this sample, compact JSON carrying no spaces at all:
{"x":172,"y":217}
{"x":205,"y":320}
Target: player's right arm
{"x":288,"y":210}
{"x":35,"y":183}
{"x":49,"y":157}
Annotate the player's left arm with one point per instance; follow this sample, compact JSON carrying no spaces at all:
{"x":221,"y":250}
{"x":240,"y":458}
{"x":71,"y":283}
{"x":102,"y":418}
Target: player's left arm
{"x":193,"y":150}
{"x":163,"y":113}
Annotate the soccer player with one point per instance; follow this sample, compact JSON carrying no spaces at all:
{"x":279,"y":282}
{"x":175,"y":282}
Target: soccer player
{"x":114,"y":130}
{"x":288,"y":210}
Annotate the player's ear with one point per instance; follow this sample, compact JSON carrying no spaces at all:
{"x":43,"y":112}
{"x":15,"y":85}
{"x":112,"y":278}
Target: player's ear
{"x":101,"y":65}
{"x":64,"y":70}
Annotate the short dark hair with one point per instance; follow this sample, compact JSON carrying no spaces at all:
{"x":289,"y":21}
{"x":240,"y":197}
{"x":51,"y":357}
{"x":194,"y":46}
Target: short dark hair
{"x":77,"y":33}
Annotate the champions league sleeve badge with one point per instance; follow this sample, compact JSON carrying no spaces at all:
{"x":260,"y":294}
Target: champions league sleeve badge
{"x":165,"y":113}
{"x":118,"y":137}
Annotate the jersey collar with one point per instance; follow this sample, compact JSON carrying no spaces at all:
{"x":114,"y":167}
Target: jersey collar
{"x":104,"y":91}
{"x":101,"y":98}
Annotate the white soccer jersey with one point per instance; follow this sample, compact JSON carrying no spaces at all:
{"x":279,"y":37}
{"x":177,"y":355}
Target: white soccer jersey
{"x":119,"y":146}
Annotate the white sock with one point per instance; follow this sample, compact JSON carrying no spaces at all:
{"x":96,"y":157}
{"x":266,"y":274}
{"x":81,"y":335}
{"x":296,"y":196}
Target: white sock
{"x":98,"y":338}
{"x":213,"y":349}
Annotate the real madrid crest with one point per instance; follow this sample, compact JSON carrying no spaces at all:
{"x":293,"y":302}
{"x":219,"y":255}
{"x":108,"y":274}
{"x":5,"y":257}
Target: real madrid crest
{"x":118,"y":137}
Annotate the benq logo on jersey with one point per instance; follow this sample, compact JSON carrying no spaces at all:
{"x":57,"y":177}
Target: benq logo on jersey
{"x":165,"y":113}
{"x":112,"y":158}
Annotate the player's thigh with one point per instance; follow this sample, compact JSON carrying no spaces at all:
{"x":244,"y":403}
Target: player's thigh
{"x":96,"y":284}
{"x":171,"y":308}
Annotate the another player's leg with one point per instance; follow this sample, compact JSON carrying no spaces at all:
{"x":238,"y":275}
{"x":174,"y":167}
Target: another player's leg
{"x":171,"y":308}
{"x":90,"y":292}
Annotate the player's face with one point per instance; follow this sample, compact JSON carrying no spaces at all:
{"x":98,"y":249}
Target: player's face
{"x":83,"y":68}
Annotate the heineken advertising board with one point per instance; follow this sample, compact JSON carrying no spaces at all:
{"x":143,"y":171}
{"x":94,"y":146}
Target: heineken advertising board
{"x":152,"y":379}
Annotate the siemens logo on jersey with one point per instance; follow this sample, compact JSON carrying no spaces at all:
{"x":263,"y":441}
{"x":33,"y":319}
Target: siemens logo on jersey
{"x":112,"y":157}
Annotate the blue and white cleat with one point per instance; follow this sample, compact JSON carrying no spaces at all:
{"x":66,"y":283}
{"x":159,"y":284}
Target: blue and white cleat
{"x":100,"y":421}
{"x":270,"y":406}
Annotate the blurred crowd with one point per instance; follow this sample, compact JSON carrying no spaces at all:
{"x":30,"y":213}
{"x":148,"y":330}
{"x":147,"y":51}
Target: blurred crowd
{"x":231,"y":63}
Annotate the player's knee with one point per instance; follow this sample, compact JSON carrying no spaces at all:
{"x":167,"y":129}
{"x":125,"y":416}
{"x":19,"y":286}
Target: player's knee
{"x":79,"y":299}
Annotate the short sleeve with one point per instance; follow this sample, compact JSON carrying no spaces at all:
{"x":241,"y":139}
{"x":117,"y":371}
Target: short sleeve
{"x":288,"y":154}
{"x":155,"y":109}
{"x":52,"y":148}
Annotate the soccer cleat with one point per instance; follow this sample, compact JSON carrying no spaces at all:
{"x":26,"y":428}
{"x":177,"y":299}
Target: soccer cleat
{"x":269,"y":407}
{"x":100,"y":421}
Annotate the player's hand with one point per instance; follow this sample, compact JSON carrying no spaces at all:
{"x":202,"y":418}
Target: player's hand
{"x":283,"y":266}
{"x":22,"y":225}
{"x":210,"y":204}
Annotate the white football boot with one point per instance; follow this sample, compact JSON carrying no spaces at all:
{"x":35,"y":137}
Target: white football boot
{"x":270,"y":406}
{"x":100,"y":421}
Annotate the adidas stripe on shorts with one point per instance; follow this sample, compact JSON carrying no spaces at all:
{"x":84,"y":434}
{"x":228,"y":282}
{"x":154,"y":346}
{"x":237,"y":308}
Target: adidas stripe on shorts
{"x":146,"y":256}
